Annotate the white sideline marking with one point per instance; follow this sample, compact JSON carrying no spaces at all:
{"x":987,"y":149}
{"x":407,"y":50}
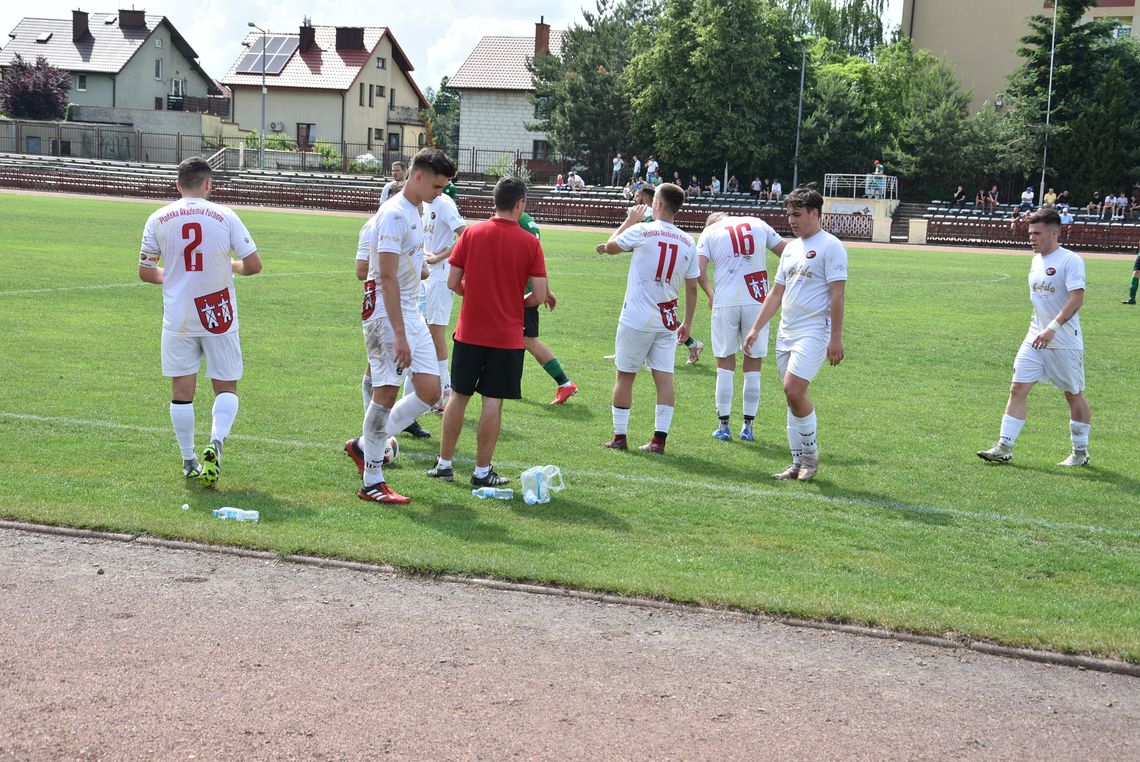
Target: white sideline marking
{"x":694,"y":484}
{"x":96,"y":287}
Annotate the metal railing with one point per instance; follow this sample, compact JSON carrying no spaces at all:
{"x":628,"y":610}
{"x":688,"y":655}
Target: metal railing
{"x":861,"y":186}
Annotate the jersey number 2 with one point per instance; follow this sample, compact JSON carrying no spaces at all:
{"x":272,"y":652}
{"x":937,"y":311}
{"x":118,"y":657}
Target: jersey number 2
{"x":670,"y":250}
{"x":192,"y":232}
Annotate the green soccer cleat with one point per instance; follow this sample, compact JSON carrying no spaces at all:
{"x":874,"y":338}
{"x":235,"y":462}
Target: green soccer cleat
{"x":211,"y":464}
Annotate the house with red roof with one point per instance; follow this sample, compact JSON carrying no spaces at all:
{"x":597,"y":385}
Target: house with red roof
{"x":124,"y":60}
{"x":348,"y":86}
{"x":496,"y":94}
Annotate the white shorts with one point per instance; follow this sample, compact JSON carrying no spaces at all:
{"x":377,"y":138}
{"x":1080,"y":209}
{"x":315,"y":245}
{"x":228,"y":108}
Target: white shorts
{"x":379,"y":341}
{"x":634,"y":348}
{"x":182,"y":355}
{"x":437,"y":310}
{"x":731,"y":324}
{"x":1064,"y":368}
{"x":802,"y":357}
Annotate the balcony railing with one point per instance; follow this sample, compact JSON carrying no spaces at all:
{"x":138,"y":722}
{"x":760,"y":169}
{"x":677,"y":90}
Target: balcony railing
{"x":404,"y":115}
{"x":216,"y":106}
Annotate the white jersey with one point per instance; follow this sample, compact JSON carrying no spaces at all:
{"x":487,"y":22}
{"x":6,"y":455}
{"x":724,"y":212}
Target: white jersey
{"x":441,"y":222}
{"x":194,"y":238}
{"x":1051,"y":278}
{"x":663,"y":257}
{"x":737,"y":248}
{"x":365,"y":239}
{"x":807,"y":267}
{"x":395,"y":228}
{"x":386,"y":193}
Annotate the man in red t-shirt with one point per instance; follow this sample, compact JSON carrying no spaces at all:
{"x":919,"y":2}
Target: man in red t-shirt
{"x":490,"y":265}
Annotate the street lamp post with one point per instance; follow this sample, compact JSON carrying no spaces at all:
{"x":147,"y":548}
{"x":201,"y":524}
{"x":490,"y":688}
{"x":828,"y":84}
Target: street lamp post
{"x":264,"y":92}
{"x":799,"y":119}
{"x":1048,"y":106}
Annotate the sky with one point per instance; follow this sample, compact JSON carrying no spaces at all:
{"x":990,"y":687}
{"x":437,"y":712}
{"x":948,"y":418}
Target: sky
{"x":437,"y":36}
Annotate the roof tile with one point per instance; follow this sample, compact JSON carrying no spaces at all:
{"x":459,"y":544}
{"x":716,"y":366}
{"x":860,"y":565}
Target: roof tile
{"x":499,"y":63}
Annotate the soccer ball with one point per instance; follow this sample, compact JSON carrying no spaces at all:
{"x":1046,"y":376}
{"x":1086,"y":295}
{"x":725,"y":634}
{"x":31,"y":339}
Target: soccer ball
{"x":391,"y":450}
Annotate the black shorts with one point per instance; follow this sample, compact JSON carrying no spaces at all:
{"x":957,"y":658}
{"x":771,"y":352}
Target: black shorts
{"x":530,"y":322}
{"x":489,"y":371}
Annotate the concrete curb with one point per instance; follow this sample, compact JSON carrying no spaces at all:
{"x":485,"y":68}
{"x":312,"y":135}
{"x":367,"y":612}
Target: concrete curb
{"x":1076,"y":661}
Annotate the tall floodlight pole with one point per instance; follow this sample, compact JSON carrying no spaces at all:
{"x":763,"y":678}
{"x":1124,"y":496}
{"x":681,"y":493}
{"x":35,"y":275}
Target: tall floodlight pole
{"x":1048,"y":103}
{"x":799,"y":118}
{"x":264,"y":92}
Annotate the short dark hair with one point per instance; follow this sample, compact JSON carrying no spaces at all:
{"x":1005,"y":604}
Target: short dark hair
{"x":672,"y":197}
{"x":435,"y":161}
{"x":508,"y":192}
{"x":805,"y":197}
{"x":645,"y":193}
{"x":193,"y":172}
{"x":1045,"y":217}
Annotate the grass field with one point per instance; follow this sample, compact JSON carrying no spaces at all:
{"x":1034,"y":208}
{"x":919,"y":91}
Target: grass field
{"x":904,"y":527}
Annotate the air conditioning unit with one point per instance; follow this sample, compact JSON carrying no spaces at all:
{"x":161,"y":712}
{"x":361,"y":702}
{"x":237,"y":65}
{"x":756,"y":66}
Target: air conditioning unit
{"x":277,"y":126}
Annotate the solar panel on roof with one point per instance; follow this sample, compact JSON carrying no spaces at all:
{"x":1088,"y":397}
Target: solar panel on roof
{"x":278,"y":50}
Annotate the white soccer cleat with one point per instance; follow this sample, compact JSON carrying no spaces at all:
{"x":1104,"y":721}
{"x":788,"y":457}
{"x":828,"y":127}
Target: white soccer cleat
{"x":790,"y":473}
{"x":809,"y":464}
{"x":1076,"y":458}
{"x":999,"y":453}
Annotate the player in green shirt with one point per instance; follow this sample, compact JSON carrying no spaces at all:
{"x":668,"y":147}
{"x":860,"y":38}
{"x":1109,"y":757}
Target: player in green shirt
{"x":542,"y":353}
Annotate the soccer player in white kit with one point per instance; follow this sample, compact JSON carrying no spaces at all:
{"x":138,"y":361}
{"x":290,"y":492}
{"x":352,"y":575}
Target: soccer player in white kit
{"x":194,"y":239}
{"x":1053,"y":349}
{"x":395,"y":184}
{"x":442,"y":225}
{"x":395,"y":334}
{"x":737,"y":246}
{"x":663,"y":256}
{"x":810,"y":285}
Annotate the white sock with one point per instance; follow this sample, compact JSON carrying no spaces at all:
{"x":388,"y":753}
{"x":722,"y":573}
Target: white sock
{"x":373,"y":440}
{"x":794,"y":439}
{"x":409,"y":408}
{"x":621,"y":419}
{"x":1010,"y":428}
{"x":482,"y":471}
{"x":224,"y":413}
{"x":1080,"y":434}
{"x":805,"y":428}
{"x":444,"y":375}
{"x":751,"y":393}
{"x":443,"y":462}
{"x":724,"y":380}
{"x":366,"y":391}
{"x":663,"y":418}
{"x":182,"y":417}
{"x":407,"y":387}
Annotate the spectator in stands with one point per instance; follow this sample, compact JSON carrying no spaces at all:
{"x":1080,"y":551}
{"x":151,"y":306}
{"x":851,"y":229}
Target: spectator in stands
{"x":980,"y":199}
{"x":714,"y":187}
{"x":1049,"y":200}
{"x":628,"y":190}
{"x":1095,"y":204}
{"x":559,"y":183}
{"x":776,"y":192}
{"x":619,"y":162}
{"x":1136,"y":197}
{"x":636,"y":168}
{"x":1026,"y":199}
{"x":1108,"y":207}
{"x":733,"y":185}
{"x":651,"y":171}
{"x":677,"y":180}
{"x":993,"y":199}
{"x":1122,"y":205}
{"x":694,"y":189}
{"x":757,"y":185}
{"x":1063,"y":200}
{"x":959,"y":197}
{"x":1066,"y":216}
{"x":766,"y":189}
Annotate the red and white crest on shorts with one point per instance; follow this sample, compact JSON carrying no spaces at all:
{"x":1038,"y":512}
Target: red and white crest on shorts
{"x":216,"y":311}
{"x":757,"y":284}
{"x":669,"y":315}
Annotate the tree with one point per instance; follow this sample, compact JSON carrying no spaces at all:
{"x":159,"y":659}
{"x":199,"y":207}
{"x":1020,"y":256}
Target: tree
{"x":34,"y":92}
{"x":580,"y":96}
{"x":857,"y":25}
{"x":841,"y":126}
{"x":442,"y":118}
{"x":716,"y":82}
{"x":1107,"y":155}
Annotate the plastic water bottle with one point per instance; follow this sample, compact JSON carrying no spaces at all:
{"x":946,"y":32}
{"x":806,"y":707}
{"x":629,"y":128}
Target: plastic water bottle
{"x":237,"y":514}
{"x":498,"y":493}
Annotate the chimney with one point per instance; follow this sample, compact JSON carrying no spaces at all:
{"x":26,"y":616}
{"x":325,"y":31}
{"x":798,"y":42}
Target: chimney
{"x":350,"y":38}
{"x":541,"y":37}
{"x":132,"y":19}
{"x":79,"y":28}
{"x":308,"y":37}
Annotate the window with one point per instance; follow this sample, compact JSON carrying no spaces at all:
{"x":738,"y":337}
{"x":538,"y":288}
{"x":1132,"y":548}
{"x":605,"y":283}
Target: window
{"x":1122,"y":30}
{"x":81,"y":82}
{"x":177,"y":87}
{"x":542,"y":107}
{"x":306,"y":135}
{"x":392,"y":99}
{"x":541,"y":149}
{"x":371,"y":92}
{"x":158,"y":104}
{"x":379,"y":91}
{"x":361,"y":93}
{"x":158,"y":42}
{"x":377,"y":134}
{"x":60,"y":147}
{"x":158,"y":68}
{"x":393,"y":141}
{"x":421,"y":140}
{"x":381,"y":63}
